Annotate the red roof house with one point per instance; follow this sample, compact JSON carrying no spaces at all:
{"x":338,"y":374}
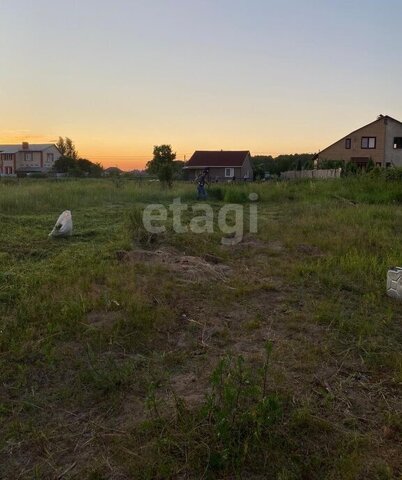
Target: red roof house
{"x":222,"y":165}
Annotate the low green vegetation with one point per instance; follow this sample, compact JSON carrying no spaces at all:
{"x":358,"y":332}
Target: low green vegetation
{"x":275,"y":165}
{"x":129,"y":355}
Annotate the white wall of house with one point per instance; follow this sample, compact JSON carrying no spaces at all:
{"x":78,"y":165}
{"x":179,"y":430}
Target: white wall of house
{"x":42,"y":161}
{"x":50,"y":155}
{"x":28,"y":159}
{"x":393,"y":155}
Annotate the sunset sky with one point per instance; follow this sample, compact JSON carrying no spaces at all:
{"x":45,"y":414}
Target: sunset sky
{"x":268,"y":76}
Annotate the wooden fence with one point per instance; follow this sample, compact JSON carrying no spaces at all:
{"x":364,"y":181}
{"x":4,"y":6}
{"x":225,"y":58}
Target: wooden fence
{"x":319,"y":173}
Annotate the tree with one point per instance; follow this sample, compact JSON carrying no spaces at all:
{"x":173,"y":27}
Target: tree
{"x":65,"y":164}
{"x":162,"y":164}
{"x":282,"y":163}
{"x":67,"y":148}
{"x":259,"y":171}
{"x":178,"y":169}
{"x":89,"y":168}
{"x":71,"y":163}
{"x":61,"y":146}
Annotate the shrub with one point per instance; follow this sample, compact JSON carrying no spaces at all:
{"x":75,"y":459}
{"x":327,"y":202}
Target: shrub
{"x":393,"y":174}
{"x":350,"y":169}
{"x":37,"y":175}
{"x":324,"y":164}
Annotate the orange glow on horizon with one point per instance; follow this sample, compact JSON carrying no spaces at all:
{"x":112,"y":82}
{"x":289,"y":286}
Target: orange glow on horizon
{"x":126,"y":158}
{"x":193,"y":76}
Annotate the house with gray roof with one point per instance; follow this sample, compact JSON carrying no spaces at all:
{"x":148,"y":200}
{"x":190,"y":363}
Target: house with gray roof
{"x":25,"y":158}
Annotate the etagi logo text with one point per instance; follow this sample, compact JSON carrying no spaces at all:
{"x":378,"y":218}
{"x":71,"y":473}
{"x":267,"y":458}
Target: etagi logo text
{"x":231,"y":219}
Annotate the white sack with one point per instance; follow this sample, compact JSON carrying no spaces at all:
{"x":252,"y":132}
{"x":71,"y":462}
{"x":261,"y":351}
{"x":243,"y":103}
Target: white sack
{"x":64,"y":225}
{"x":394,"y":282}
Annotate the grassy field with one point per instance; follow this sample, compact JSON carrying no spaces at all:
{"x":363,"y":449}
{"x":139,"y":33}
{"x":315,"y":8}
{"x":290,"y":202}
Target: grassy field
{"x":181,"y":358}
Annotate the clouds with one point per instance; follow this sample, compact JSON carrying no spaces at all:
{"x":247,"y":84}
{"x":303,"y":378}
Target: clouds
{"x":10,"y":136}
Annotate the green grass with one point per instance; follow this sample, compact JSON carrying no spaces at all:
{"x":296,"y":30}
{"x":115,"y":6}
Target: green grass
{"x":115,"y":367}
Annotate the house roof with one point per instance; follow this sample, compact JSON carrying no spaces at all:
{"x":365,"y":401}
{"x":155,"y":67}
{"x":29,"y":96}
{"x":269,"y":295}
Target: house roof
{"x":218,"y":158}
{"x":379,"y":118}
{"x":18,"y":148}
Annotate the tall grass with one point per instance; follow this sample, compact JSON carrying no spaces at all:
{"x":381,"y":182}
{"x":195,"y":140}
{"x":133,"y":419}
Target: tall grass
{"x":40,"y":196}
{"x":30,"y":196}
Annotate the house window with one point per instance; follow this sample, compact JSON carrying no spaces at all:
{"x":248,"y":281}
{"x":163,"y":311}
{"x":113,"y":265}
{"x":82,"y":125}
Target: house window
{"x":397,"y":143}
{"x":388,"y":164}
{"x":378,"y":164}
{"x":28,"y":157}
{"x":368,"y":142}
{"x":348,"y":143}
{"x":50,"y":158}
{"x":229,"y":172}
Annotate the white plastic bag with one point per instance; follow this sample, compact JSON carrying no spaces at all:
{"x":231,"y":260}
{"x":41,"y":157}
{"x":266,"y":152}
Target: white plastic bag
{"x":394,"y":282}
{"x":64,"y":225}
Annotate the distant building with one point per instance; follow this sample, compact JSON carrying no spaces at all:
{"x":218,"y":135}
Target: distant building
{"x":379,"y":141}
{"x":113,"y":171}
{"x":222,"y":165}
{"x":26,"y":158}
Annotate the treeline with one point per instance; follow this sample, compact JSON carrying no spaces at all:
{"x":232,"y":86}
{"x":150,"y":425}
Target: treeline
{"x":267,"y":164}
{"x":72,"y":164}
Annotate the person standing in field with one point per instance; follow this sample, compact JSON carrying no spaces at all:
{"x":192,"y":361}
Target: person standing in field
{"x":201,"y":182}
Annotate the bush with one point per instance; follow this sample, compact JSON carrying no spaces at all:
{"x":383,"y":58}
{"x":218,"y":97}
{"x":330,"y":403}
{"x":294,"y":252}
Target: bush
{"x":324,"y":164}
{"x":393,"y":174}
{"x":37,"y":175}
{"x":350,"y":169}
{"x":376,"y":172}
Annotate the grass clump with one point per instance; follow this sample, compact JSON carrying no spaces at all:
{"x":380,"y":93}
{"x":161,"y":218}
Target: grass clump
{"x":216,"y":193}
{"x":228,"y":433}
{"x":235,"y":195}
{"x":138,"y":232}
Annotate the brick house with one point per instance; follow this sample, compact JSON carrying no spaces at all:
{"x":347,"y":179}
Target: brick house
{"x":379,"y":141}
{"x":26,"y":158}
{"x":222,"y":165}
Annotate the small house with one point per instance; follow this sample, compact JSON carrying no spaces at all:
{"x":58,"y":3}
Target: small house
{"x":222,"y":165}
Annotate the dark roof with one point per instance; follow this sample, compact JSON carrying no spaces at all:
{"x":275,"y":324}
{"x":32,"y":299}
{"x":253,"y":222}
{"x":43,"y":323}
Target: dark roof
{"x":219,"y":158}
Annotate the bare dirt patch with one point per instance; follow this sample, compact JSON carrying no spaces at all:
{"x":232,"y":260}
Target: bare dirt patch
{"x":103,"y":319}
{"x":309,"y":250}
{"x":188,"y":387}
{"x":190,"y":268}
